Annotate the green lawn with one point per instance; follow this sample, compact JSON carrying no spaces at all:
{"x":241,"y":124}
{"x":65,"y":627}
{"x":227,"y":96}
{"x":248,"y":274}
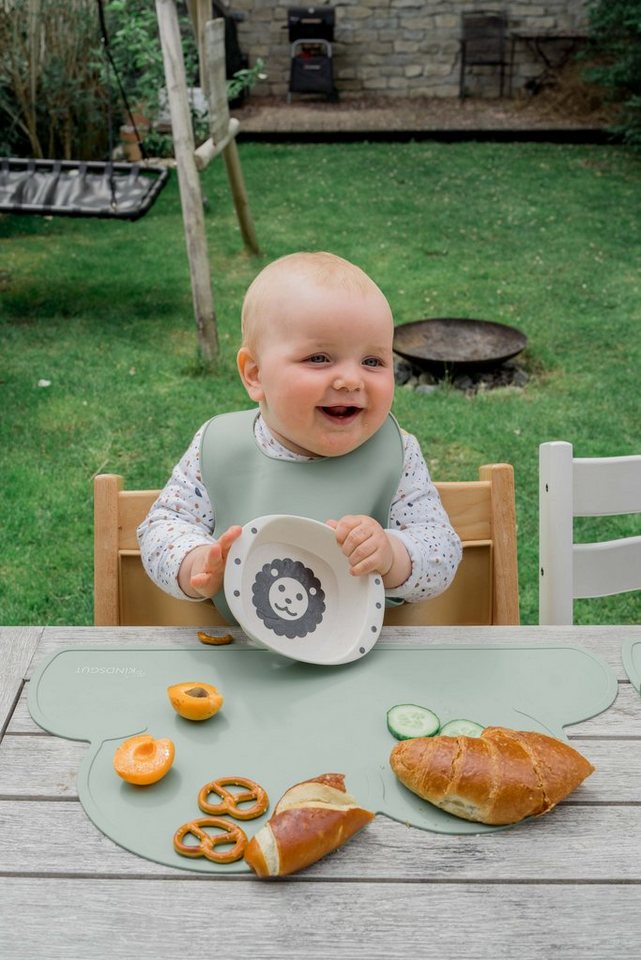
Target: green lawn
{"x":544,"y":237}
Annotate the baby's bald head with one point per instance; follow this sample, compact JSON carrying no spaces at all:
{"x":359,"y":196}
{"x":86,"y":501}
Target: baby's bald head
{"x":276,"y":285}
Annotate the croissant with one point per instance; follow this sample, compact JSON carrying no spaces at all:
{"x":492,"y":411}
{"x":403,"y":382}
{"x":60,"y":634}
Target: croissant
{"x":311,"y":819}
{"x":500,"y":777}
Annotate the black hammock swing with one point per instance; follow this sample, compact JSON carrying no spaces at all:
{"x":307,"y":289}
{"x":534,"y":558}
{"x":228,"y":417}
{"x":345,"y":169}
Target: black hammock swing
{"x":69,"y":188}
{"x":66,"y":188}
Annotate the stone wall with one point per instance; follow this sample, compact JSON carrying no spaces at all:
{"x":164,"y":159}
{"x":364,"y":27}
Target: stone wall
{"x":399,"y":48}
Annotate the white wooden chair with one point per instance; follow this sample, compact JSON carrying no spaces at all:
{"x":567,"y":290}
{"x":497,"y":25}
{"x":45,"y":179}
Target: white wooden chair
{"x":584,"y":487}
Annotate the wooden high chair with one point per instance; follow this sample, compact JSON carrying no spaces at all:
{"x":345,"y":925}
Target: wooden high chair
{"x":485,"y":589}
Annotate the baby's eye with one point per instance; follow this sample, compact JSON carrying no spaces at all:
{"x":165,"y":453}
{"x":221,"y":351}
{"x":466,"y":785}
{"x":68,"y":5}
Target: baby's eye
{"x":318,"y":358}
{"x":372,"y":362}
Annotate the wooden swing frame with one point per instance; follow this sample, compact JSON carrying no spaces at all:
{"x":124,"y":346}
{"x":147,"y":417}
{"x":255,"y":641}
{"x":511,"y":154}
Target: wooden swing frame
{"x":126,"y":191}
{"x":210,"y":38}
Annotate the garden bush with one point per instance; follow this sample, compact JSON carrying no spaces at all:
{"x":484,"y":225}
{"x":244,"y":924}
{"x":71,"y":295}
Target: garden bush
{"x":59,"y":94}
{"x":52,"y":95}
{"x":615,"y":49}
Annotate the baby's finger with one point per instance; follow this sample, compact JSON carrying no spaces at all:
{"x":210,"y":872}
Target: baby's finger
{"x":227,"y":538}
{"x":206,"y":584}
{"x":212,"y":560}
{"x":368,"y":565}
{"x":345,"y":526}
{"x":363,"y":553}
{"x":357,"y":540}
{"x":202,"y":581}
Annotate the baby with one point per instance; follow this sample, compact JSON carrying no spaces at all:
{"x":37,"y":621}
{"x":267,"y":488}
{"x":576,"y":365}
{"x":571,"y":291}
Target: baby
{"x":316,"y":358}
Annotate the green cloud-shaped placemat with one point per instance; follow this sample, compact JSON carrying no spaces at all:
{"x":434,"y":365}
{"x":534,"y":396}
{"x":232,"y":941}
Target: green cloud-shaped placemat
{"x":283,"y":722}
{"x":631,"y":656}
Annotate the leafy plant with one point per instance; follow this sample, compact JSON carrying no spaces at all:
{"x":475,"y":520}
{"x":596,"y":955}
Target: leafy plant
{"x":135,"y":48}
{"x":615,"y":46}
{"x":59,"y":95}
{"x":136,"y":54}
{"x":51,"y":97}
{"x":245,"y":79}
{"x":136,"y":51}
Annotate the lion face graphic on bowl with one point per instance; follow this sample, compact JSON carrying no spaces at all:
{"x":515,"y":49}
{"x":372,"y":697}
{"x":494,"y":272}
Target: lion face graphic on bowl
{"x":288,"y":598}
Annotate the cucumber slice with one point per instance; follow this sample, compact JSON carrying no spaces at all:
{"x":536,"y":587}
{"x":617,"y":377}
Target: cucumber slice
{"x":461,"y":728}
{"x":407,"y":720}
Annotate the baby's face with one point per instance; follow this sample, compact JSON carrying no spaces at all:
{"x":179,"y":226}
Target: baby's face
{"x":325,"y":377}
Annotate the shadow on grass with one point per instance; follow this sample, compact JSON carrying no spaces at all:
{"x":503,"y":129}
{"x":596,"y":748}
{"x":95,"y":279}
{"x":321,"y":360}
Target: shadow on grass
{"x":36,"y":299}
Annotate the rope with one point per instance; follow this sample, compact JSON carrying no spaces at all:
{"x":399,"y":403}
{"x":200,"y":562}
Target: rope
{"x":107,"y":49}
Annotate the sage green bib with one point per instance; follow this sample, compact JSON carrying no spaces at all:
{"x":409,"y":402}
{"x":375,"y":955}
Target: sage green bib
{"x":244,"y":483}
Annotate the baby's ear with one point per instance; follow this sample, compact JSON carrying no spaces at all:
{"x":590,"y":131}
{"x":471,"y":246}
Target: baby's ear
{"x":249,"y":373}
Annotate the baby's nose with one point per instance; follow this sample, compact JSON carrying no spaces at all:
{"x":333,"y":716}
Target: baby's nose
{"x":348,"y":381}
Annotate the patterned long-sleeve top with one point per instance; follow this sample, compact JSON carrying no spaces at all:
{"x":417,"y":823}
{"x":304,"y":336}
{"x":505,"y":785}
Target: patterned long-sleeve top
{"x":183,"y":518}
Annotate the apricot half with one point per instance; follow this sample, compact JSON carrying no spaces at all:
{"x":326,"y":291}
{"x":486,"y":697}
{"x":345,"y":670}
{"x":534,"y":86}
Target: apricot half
{"x":143,"y":760}
{"x":195,"y":701}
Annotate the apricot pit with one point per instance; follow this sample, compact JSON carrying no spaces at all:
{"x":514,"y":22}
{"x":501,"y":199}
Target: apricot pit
{"x":195,"y":700}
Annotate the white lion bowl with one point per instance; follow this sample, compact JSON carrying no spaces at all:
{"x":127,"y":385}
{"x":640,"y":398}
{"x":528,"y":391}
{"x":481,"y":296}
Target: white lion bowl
{"x":288,"y":585}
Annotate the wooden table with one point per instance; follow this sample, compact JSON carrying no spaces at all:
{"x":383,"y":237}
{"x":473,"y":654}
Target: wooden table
{"x":565,"y":885}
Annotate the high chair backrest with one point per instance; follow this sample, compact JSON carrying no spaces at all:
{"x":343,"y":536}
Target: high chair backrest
{"x":484,"y":591}
{"x":571,"y":487}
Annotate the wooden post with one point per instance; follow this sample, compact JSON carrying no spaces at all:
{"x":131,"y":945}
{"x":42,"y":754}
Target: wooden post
{"x":219,"y":126}
{"x":239,"y":194}
{"x":215,"y":79}
{"x":199,"y":14}
{"x":188,"y":180}
{"x":106,"y":604}
{"x":505,"y":602}
{"x":208,"y":150}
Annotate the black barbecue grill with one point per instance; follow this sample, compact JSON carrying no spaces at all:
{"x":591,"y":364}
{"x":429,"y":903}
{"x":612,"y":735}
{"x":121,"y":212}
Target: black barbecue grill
{"x":311,"y":34}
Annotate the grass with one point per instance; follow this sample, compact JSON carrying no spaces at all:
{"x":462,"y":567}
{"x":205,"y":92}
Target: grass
{"x":544,"y":237}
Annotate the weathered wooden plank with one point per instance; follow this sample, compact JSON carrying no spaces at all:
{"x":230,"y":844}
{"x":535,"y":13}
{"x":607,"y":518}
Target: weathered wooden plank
{"x":17,"y":647}
{"x":622,"y":719}
{"x":55,"y":639}
{"x":573,"y":843}
{"x":604,"y":642}
{"x":21,"y":722}
{"x":42,"y":766}
{"x":72,"y":920}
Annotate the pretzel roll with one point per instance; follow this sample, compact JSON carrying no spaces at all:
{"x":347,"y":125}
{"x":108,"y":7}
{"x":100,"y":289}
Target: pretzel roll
{"x":498,"y":778}
{"x":310,"y":820}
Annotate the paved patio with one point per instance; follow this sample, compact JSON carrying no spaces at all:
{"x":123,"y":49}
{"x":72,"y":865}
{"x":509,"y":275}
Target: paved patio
{"x":453,"y":117}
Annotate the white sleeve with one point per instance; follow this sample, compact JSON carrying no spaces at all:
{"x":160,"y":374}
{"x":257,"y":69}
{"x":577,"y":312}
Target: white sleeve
{"x":180,"y":519}
{"x":417,"y":517}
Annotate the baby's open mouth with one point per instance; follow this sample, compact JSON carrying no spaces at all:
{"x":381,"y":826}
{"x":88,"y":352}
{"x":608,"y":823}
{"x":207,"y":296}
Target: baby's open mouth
{"x":340,"y":412}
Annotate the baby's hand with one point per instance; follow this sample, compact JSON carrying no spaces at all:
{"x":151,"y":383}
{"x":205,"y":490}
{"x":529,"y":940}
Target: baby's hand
{"x":204,"y":567}
{"x":365,"y":544}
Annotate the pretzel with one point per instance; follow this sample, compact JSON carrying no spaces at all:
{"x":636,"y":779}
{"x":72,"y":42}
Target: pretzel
{"x":230,"y":801}
{"x":208,"y":842}
{"x":213,"y":640}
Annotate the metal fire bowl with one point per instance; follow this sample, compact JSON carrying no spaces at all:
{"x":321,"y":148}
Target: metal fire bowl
{"x":458,"y":343}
